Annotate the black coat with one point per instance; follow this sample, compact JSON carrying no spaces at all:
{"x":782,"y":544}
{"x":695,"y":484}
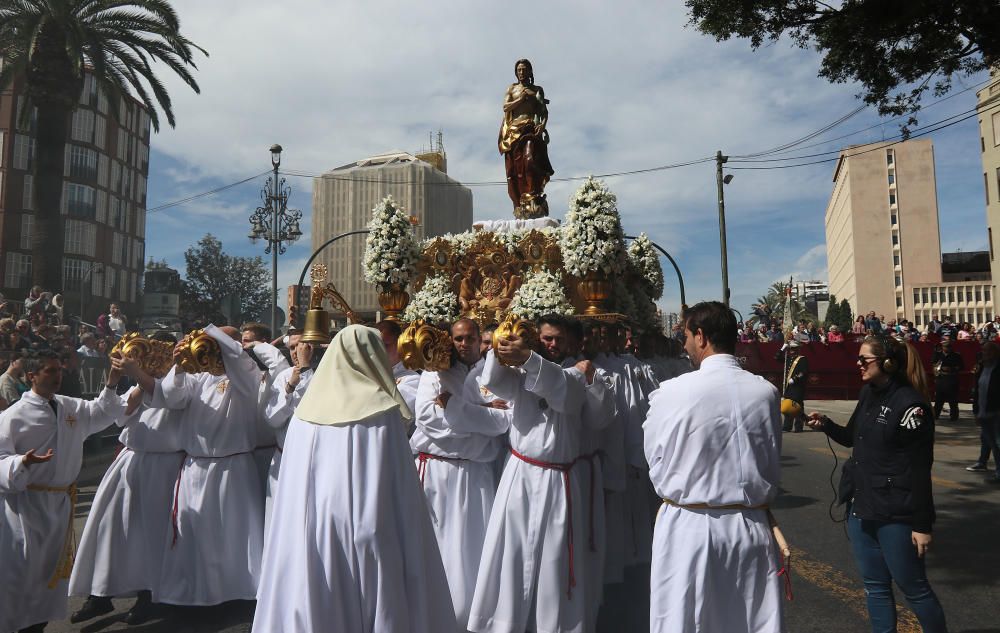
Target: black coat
{"x":993,"y":393}
{"x":797,"y":375}
{"x":888,"y":477}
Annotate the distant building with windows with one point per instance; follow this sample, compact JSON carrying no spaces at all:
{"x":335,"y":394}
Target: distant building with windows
{"x":103,"y":201}
{"x":343,"y":199}
{"x":988,"y":105}
{"x":883,"y":239}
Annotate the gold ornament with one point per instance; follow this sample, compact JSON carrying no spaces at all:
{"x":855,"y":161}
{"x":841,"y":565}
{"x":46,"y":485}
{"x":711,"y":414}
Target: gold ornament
{"x":514,"y":325}
{"x":424,"y":347}
{"x":199,"y":352}
{"x":154,"y":357}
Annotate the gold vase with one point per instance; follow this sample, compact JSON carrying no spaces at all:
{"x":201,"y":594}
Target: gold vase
{"x":392,"y":298}
{"x":594,"y":289}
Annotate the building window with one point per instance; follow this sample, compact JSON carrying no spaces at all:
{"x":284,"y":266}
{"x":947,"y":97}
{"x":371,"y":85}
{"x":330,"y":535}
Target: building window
{"x":80,"y":238}
{"x":1,"y":136}
{"x":894,"y":219}
{"x":895,"y":260}
{"x":18,"y":272}
{"x":73,"y":270}
{"x":24,"y":151}
{"x":102,"y":170}
{"x":27,"y":230}
{"x":892,"y":179}
{"x":986,"y":187}
{"x":951,"y":295}
{"x":924,"y":294}
{"x":899,"y":281}
{"x":81,"y":201}
{"x":83,"y":126}
{"x":28,"y":193}
{"x":899,"y":302}
{"x":989,"y":229}
{"x":82,"y":163}
{"x":979,"y":295}
{"x":916,"y":296}
{"x":888,"y":156}
{"x":118,"y":248}
{"x":996,"y":128}
{"x":892,"y":198}
{"x":100,"y":131}
{"x":934,"y":296}
{"x":986,"y":296}
{"x":895,"y":239}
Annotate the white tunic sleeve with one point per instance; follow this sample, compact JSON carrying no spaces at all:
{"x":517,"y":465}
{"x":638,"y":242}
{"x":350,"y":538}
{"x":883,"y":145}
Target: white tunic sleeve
{"x":477,"y":418}
{"x":241,"y":371}
{"x":503,"y":381}
{"x":97,"y":414}
{"x":281,"y":405}
{"x":13,"y":472}
{"x":550,"y":381}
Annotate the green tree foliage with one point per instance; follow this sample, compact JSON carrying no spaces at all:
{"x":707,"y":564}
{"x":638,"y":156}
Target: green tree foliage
{"x":46,"y":46}
{"x":212,"y":275}
{"x":839,"y":314}
{"x":896,"y":49}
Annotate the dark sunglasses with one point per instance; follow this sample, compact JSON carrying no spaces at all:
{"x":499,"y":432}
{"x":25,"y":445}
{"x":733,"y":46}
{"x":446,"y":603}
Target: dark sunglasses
{"x":867,"y":360}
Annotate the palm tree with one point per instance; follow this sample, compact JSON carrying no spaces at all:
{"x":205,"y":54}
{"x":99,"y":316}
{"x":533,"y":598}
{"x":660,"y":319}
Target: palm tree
{"x":51,"y":44}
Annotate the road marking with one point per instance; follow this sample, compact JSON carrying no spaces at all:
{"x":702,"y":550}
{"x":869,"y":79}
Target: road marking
{"x":944,"y":483}
{"x":843,"y":588}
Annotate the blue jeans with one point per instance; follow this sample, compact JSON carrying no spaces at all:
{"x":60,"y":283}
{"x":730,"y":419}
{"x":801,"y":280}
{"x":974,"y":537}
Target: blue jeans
{"x":884,"y":553}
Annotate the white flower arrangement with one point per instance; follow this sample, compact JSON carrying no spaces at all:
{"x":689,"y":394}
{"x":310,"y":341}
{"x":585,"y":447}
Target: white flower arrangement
{"x":646,"y":262}
{"x":541,"y":293}
{"x":391,"y":252}
{"x":459,"y":242}
{"x":435,"y":302}
{"x":592,"y":238}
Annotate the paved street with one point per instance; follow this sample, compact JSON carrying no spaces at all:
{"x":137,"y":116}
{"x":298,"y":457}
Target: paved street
{"x":828,"y":593}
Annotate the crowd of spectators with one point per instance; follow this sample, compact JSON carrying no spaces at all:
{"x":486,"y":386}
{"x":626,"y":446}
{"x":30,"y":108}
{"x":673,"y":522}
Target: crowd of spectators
{"x":38,"y":324}
{"x":806,"y":331}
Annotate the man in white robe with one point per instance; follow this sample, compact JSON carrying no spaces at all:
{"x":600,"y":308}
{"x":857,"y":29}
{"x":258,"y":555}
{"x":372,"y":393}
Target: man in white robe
{"x":713,"y":442}
{"x":457,"y":439}
{"x":407,"y":380}
{"x":256,"y":339}
{"x":537,"y":531}
{"x":41,"y":451}
{"x":122,"y":545}
{"x":214,"y":545}
{"x":285,"y":394}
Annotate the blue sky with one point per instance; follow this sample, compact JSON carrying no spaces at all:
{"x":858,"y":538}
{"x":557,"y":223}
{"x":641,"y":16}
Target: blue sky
{"x":630,"y":85}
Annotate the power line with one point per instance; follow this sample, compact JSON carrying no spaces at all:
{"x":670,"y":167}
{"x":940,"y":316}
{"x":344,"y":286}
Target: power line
{"x":204,"y":194}
{"x":879,"y":146}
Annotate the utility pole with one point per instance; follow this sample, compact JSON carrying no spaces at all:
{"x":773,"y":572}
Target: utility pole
{"x":719,"y":160}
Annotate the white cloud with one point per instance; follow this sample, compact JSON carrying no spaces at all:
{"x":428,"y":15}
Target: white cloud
{"x":630,"y":87}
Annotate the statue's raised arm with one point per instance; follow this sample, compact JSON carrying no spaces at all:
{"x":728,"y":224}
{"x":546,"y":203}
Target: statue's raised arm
{"x":524,"y":143}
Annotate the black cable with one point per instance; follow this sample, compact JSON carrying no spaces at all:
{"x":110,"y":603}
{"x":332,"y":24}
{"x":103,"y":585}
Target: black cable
{"x":873,"y":149}
{"x":175,"y":203}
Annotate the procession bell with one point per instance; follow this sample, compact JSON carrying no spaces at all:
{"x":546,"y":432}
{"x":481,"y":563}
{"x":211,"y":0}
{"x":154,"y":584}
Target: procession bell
{"x":317,"y":326}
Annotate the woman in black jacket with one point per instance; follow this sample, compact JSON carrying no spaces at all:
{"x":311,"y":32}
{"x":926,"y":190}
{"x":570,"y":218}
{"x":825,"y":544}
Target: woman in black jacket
{"x":887,"y":481}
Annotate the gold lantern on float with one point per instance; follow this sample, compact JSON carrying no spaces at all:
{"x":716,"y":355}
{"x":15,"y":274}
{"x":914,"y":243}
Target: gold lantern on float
{"x":154,"y":357}
{"x":513,"y":325}
{"x":424,"y":347}
{"x":317,"y":324}
{"x":198,"y":352}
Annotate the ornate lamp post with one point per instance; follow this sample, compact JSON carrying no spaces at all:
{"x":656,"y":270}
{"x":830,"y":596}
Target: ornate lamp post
{"x":275,"y":223}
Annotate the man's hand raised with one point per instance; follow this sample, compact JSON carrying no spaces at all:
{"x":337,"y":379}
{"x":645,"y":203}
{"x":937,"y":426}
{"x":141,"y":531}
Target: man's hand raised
{"x":30,"y":457}
{"x":588,"y":370}
{"x":513,"y":350}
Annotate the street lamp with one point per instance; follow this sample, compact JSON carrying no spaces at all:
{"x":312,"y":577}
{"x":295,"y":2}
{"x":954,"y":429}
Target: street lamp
{"x":93,"y":269}
{"x":275,"y":223}
{"x":723,"y":180}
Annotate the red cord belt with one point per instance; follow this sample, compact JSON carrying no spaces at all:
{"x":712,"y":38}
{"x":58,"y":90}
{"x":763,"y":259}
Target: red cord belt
{"x":563,"y":468}
{"x":423,"y":458}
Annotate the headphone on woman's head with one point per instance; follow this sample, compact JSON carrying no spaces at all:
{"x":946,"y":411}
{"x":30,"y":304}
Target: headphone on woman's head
{"x":889,"y":362}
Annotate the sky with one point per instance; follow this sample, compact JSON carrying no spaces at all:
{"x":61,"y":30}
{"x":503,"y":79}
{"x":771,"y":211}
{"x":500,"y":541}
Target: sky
{"x":631,"y":86}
